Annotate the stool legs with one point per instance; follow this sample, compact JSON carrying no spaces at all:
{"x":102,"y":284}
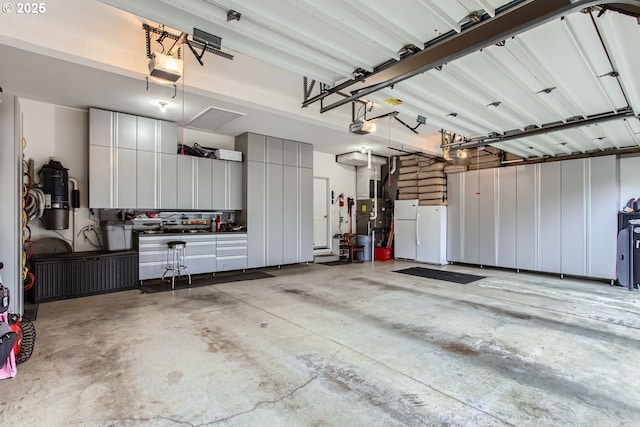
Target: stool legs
{"x":176,"y":262}
{"x":181,"y":261}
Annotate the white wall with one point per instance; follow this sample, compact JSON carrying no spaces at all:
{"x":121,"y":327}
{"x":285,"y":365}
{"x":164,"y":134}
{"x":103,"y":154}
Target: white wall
{"x":62,"y":133}
{"x":629,"y":178}
{"x":342,"y":179}
{"x":206,"y":139}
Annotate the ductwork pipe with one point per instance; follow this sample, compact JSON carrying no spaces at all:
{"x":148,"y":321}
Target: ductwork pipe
{"x":394,"y":165}
{"x":75,"y":203}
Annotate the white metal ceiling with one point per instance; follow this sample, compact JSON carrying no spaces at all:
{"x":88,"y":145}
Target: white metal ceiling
{"x":575,"y":67}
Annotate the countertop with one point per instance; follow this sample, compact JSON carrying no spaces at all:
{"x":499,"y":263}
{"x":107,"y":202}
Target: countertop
{"x":198,"y":233}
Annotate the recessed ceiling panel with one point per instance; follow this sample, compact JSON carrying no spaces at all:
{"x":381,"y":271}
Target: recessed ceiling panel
{"x":213,"y":118}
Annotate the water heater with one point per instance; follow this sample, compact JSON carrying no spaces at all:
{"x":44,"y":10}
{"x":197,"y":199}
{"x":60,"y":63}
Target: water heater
{"x":55,"y":185}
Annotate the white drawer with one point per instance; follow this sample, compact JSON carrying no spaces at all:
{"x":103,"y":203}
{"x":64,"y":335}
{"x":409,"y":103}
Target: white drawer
{"x":200,"y":248}
{"x":231,"y":251}
{"x":151,"y":270}
{"x":232,"y":263}
{"x":230,"y":238}
{"x":152,"y":256}
{"x":201,"y":264}
{"x":161,"y":240}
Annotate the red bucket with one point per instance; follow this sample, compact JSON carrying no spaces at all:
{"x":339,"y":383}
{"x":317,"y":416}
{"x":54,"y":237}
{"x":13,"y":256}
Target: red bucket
{"x":382,"y":254}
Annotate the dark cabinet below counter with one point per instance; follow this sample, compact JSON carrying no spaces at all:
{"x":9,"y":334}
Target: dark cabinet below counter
{"x":70,"y":275}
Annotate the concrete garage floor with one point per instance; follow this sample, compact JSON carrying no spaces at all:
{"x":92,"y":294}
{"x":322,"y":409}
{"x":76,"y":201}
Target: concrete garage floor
{"x":354,"y":345}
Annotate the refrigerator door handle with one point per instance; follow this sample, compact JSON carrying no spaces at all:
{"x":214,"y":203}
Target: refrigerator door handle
{"x":417,"y":227}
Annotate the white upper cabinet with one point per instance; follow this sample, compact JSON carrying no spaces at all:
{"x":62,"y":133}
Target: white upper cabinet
{"x":125,"y":162}
{"x":146,"y":134}
{"x":168,"y":137}
{"x":125,"y":131}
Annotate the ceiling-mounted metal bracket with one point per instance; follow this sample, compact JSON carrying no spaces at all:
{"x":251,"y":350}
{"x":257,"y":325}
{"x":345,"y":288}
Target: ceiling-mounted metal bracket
{"x":175,"y":88}
{"x":233,"y":15}
{"x":420,"y":119}
{"x":307,"y":88}
{"x":193,"y":43}
{"x":196,"y":54}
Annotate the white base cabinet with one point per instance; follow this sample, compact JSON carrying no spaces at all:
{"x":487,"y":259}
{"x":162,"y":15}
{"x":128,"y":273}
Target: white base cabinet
{"x":205,"y":253}
{"x":231,"y":252}
{"x":558,"y":217}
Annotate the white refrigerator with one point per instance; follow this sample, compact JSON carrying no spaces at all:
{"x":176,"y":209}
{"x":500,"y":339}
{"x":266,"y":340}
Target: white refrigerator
{"x":404,"y":228}
{"x":420,"y":232}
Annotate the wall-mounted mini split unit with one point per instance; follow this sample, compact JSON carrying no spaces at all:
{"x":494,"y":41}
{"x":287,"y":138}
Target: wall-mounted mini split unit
{"x":362,"y":127}
{"x":165,"y":67}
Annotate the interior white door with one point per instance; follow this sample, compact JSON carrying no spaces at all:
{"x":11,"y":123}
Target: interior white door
{"x":320,"y":212}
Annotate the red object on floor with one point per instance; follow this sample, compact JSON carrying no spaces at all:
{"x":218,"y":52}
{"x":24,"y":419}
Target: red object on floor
{"x":382,"y":254}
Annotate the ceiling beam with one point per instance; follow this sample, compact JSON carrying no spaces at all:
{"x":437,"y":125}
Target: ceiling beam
{"x":523,"y":52}
{"x":487,"y":7}
{"x":582,"y":132}
{"x":475,"y":90}
{"x":599,"y":118}
{"x":365,"y":8}
{"x":441,"y":15}
{"x":435,"y":115}
{"x":565,"y":146}
{"x":490,"y":31}
{"x":633,"y":135}
{"x":571,"y":32}
{"x":356,"y":27}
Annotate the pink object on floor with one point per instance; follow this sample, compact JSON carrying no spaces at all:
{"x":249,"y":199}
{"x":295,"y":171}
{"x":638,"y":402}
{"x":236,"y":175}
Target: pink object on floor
{"x":8,"y":370}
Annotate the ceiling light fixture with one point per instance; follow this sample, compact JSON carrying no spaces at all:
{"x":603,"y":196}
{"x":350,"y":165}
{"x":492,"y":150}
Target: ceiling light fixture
{"x":163,"y":106}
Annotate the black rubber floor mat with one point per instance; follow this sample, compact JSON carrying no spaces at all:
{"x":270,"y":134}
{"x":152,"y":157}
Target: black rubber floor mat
{"x":334,"y":263}
{"x":447,"y":276}
{"x":153,"y":286}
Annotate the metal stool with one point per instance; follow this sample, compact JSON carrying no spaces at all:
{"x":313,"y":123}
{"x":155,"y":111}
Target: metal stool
{"x":176,"y":261}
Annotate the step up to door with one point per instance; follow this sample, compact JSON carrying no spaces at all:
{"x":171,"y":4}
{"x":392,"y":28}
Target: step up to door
{"x":319,"y":259}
